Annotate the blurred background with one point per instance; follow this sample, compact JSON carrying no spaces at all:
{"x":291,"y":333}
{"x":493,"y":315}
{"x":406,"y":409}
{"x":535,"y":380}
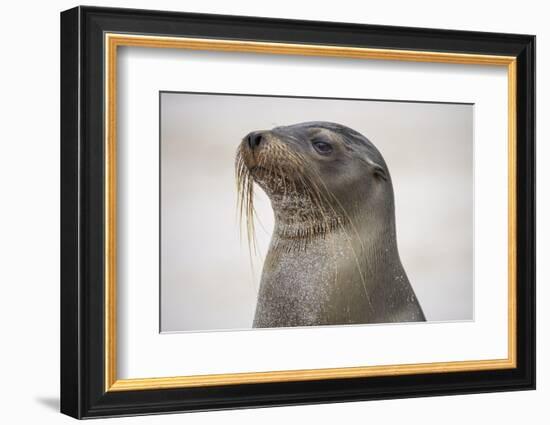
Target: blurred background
{"x":208,"y":280}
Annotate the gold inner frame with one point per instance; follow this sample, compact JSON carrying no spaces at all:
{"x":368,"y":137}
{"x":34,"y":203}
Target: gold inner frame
{"x":113,"y":41}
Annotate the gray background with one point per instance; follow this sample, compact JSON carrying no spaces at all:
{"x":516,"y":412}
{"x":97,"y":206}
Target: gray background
{"x":207,"y":279}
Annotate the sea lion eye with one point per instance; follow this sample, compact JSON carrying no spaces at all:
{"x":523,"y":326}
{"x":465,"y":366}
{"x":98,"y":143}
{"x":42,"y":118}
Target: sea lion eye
{"x":322,"y":147}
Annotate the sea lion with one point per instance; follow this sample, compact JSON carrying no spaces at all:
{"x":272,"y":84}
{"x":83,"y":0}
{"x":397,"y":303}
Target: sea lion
{"x":333,"y":256}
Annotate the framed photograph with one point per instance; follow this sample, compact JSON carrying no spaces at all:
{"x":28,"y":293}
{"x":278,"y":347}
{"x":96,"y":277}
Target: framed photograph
{"x":261,"y":212}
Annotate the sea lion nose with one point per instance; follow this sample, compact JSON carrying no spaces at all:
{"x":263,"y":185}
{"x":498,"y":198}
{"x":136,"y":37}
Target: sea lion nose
{"x":254,"y":139}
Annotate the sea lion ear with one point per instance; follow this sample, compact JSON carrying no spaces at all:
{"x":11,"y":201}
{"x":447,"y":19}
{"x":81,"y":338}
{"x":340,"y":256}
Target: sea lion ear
{"x":379,"y":172}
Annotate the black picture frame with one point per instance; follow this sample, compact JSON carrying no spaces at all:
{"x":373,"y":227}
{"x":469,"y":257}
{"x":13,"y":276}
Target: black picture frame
{"x":83,"y":392}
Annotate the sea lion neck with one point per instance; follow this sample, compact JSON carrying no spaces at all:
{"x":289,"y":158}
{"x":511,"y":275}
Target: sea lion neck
{"x":337,"y":278}
{"x":301,"y":222}
{"x":300,"y":217}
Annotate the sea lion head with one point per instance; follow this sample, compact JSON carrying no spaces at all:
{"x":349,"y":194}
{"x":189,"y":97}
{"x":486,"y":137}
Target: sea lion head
{"x":318,"y":175}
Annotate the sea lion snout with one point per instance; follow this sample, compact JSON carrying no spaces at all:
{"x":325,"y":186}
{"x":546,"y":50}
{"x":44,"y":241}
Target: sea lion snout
{"x":255,"y":146}
{"x":254,"y":139}
{"x":264,"y":149}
